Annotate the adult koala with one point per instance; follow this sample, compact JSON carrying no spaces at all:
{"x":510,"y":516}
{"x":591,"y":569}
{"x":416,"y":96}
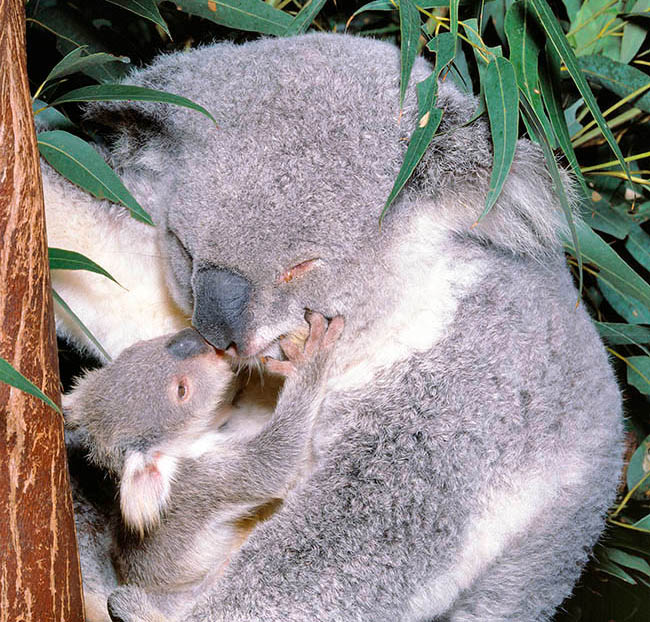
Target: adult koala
{"x":469,"y":440}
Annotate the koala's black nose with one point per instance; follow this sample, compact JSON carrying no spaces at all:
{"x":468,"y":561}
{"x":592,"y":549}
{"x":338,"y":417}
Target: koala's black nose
{"x":220,"y":302}
{"x":187,"y":343}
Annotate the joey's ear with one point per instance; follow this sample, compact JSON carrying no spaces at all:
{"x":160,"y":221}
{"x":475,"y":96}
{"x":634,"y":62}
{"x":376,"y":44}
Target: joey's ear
{"x":145,"y":487}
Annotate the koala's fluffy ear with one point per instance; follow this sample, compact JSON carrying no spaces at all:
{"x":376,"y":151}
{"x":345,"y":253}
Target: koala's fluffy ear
{"x":144,"y":488}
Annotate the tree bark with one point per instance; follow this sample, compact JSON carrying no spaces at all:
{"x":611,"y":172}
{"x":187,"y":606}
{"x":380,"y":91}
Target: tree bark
{"x":39,"y":564}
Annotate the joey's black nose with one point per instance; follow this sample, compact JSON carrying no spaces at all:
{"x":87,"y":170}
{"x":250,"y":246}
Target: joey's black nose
{"x":220,"y":304}
{"x":186,"y":344}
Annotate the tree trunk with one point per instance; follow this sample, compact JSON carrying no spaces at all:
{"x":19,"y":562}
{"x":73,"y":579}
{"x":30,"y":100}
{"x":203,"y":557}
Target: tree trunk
{"x":39,"y":565}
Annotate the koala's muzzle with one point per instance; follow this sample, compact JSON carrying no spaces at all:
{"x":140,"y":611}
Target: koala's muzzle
{"x":187,"y":344}
{"x":220,"y":301}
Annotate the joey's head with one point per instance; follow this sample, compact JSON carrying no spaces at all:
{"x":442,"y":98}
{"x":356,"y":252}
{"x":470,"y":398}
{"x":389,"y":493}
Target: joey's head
{"x":140,"y":414}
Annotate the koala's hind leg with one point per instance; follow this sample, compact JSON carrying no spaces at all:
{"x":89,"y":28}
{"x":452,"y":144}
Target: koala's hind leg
{"x":533,"y":576}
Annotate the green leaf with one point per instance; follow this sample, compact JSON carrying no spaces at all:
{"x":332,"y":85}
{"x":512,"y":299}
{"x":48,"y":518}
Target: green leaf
{"x":453,"y":20}
{"x":557,"y":38}
{"x":550,"y":81}
{"x":250,"y":15}
{"x":76,"y":61}
{"x":428,"y":115}
{"x":304,"y":17}
{"x":51,"y":117}
{"x":61,"y":259}
{"x":77,"y":161}
{"x":526,"y":41}
{"x":409,"y":28}
{"x":638,"y":245}
{"x":502,"y":101}
{"x":387,"y":5}
{"x":144,"y":8}
{"x":644,"y":523}
{"x":13,"y":377}
{"x":629,"y":561}
{"x":620,"y":333}
{"x":589,"y":29}
{"x":616,"y":571}
{"x":64,"y":305}
{"x":633,"y":34}
{"x":611,"y":268}
{"x":616,"y":77}
{"x":638,"y":468}
{"x":600,"y":215}
{"x":127,"y":92}
{"x":626,"y":306}
{"x":638,"y":373}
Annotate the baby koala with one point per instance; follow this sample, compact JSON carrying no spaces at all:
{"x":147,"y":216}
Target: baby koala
{"x":196,"y":468}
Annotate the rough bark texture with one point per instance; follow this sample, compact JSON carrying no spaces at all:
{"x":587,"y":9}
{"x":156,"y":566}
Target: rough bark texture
{"x":39,"y":565}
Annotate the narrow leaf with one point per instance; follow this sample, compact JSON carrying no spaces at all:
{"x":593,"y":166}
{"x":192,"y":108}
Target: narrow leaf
{"x":428,"y":115}
{"x":144,"y":8}
{"x":644,"y":523}
{"x":628,"y":307}
{"x":623,"y":334}
{"x":502,"y":101}
{"x":526,"y":41}
{"x":50,"y":118}
{"x":629,"y":561}
{"x":559,"y":41}
{"x":638,"y":373}
{"x":76,"y":61}
{"x":64,"y":305}
{"x":409,"y":27}
{"x":614,"y":570}
{"x":611,"y":268}
{"x":638,"y":468}
{"x":550,"y":81}
{"x":616,"y":77}
{"x":638,"y":245}
{"x":305,"y":17}
{"x":250,"y":15}
{"x":126,"y":92}
{"x":600,"y":215}
{"x":387,"y":5}
{"x":633,"y":34}
{"x":9,"y":375}
{"x":61,"y":259}
{"x":77,"y":161}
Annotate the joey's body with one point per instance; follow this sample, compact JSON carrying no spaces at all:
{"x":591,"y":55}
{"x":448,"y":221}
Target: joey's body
{"x":180,"y":447}
{"x":468,"y":442}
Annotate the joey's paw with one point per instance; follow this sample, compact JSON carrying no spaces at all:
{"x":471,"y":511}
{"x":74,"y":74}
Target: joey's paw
{"x":131,"y":604}
{"x":322,"y":337}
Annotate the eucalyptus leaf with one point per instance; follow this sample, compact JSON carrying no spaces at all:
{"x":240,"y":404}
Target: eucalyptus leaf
{"x":144,"y":8}
{"x":502,"y":102}
{"x":559,"y":41}
{"x":50,"y":118}
{"x":626,"y":306}
{"x":616,"y":77}
{"x":11,"y":376}
{"x":638,"y":373}
{"x":409,"y":25}
{"x":61,"y":259}
{"x":526,"y":40}
{"x":428,"y":115}
{"x":84,"y":329}
{"x":638,"y":468}
{"x":633,"y":34}
{"x":614,"y":570}
{"x":250,"y":15}
{"x":79,"y":60}
{"x":611,"y":268}
{"x":623,"y":334}
{"x":77,"y":161}
{"x":591,"y":26}
{"x":304,"y":17}
{"x":638,"y":245}
{"x":628,"y":560}
{"x":644,"y":523}
{"x":600,"y":215}
{"x":387,"y":5}
{"x":127,"y":92}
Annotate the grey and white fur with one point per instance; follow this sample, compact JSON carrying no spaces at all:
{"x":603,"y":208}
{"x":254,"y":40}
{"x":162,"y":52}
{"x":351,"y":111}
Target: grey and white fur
{"x":469,"y":439}
{"x":161,"y":419}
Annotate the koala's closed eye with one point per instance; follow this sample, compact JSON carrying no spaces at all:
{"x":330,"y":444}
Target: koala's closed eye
{"x":299,"y":270}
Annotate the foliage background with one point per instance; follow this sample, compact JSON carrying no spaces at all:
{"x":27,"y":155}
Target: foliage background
{"x":530,"y":81}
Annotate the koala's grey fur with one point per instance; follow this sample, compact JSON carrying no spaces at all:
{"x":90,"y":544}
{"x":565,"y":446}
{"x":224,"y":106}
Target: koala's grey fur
{"x":469,"y":441}
{"x":225,"y":464}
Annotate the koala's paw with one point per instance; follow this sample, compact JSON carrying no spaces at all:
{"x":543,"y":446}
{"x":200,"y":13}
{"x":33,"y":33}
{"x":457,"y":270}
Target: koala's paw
{"x":131,"y":604}
{"x":322,"y":337}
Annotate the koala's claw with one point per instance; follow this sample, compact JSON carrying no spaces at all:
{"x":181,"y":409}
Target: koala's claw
{"x":322,"y":336}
